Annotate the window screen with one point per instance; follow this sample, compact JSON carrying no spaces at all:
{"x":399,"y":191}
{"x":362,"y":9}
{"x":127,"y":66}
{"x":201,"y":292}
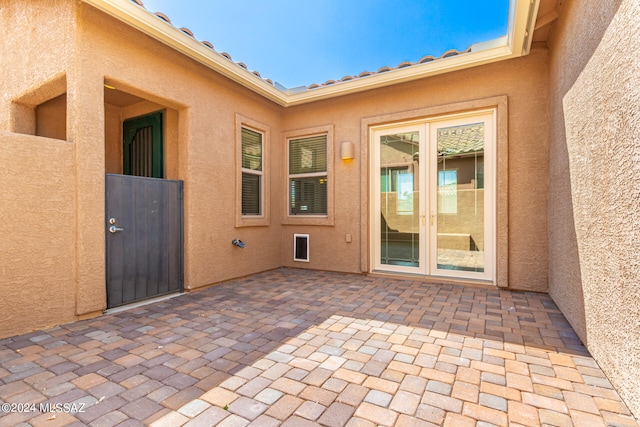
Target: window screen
{"x":308,"y":175}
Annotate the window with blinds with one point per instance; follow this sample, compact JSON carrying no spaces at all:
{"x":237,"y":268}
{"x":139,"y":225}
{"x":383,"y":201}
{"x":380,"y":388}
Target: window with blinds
{"x":308,"y":175}
{"x":252,"y":172}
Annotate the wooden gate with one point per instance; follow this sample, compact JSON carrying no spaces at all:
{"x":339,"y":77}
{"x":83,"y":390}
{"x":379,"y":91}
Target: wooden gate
{"x":144,"y":238}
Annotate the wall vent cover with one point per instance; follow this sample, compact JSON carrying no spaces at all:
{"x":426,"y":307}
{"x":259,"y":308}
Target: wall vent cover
{"x":301,"y":247}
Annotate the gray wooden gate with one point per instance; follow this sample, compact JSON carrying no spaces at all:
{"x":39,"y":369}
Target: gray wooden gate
{"x":144,"y":238}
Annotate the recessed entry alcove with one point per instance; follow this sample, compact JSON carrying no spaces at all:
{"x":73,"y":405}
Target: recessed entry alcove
{"x":128,"y":106}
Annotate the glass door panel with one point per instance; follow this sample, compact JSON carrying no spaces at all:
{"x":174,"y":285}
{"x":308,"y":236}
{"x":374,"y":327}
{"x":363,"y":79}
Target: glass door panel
{"x":458,"y":213}
{"x":399,"y":226}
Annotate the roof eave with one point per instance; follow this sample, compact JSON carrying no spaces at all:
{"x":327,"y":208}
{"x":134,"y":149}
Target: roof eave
{"x":479,"y":55}
{"x":153,"y":26}
{"x":516,"y":43}
{"x":522,"y":21}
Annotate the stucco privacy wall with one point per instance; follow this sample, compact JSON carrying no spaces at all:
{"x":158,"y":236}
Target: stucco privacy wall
{"x":37,"y":270}
{"x":524,"y":81}
{"x":37,"y":175}
{"x":594,"y":231}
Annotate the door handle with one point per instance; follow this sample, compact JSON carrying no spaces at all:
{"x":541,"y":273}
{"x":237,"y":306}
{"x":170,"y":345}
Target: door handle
{"x":114,"y":229}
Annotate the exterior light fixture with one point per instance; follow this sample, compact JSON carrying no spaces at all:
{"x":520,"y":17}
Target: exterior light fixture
{"x":346,"y":151}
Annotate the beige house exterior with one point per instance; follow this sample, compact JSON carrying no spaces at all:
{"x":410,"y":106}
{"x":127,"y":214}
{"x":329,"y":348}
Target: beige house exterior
{"x":562,"y":92}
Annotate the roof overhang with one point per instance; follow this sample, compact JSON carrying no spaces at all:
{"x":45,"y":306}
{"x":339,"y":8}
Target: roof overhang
{"x":517,"y":42}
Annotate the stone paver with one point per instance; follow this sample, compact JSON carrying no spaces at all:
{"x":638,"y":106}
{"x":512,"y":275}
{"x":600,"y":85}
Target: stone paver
{"x":294,"y":348}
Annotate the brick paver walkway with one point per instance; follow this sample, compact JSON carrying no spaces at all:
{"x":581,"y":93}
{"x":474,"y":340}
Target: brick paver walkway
{"x":296,"y":348}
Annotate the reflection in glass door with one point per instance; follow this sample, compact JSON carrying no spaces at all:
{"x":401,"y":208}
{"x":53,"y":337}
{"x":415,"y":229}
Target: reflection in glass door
{"x":459,"y":197}
{"x":399,"y":224}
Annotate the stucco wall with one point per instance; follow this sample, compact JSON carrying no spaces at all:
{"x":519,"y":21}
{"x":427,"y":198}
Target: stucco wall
{"x":200,"y":135}
{"x":51,"y":118}
{"x":38,"y":198}
{"x":524,"y":81}
{"x":594,"y":226}
{"x":37,"y":249}
{"x":24,"y":70}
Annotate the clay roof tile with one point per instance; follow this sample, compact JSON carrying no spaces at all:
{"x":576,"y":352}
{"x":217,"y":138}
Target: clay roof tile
{"x":164,"y":17}
{"x":186,"y":31}
{"x":450,"y":53}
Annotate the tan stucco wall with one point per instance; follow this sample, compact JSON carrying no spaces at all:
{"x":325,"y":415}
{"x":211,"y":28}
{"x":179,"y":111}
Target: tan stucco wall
{"x":51,"y":118}
{"x":525,"y":83}
{"x":25,"y":72}
{"x":200,"y":111}
{"x":37,"y":249}
{"x":594,"y":226}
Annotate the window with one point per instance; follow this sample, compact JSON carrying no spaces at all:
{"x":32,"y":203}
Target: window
{"x":252,"y":172}
{"x":308,"y":176}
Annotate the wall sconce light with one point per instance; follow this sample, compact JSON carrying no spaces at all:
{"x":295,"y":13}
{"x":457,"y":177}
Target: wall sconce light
{"x":346,"y":151}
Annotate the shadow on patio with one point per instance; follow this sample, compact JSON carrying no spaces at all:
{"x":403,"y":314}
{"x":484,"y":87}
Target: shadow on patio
{"x":298,"y":347}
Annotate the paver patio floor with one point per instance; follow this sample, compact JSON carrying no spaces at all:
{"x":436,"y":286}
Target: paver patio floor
{"x":295,"y":348}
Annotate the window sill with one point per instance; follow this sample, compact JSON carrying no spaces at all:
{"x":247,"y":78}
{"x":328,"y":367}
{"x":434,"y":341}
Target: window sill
{"x":252,"y":222}
{"x":324,"y":220}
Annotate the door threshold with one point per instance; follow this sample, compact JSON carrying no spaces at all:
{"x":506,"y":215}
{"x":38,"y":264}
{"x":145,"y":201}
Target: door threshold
{"x":441,"y":280}
{"x":142,"y":303}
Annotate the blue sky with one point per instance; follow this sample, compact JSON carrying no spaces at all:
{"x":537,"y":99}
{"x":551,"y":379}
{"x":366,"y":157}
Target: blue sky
{"x":301,"y":42}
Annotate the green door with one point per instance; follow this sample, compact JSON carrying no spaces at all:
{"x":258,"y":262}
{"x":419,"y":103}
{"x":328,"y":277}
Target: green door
{"x":142,"y":150}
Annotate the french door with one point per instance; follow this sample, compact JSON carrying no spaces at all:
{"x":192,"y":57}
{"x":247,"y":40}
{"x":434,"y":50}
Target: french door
{"x":433,"y":196}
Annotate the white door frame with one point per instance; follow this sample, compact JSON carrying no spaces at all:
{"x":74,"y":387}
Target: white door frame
{"x":376,"y":220}
{"x":428,"y":173}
